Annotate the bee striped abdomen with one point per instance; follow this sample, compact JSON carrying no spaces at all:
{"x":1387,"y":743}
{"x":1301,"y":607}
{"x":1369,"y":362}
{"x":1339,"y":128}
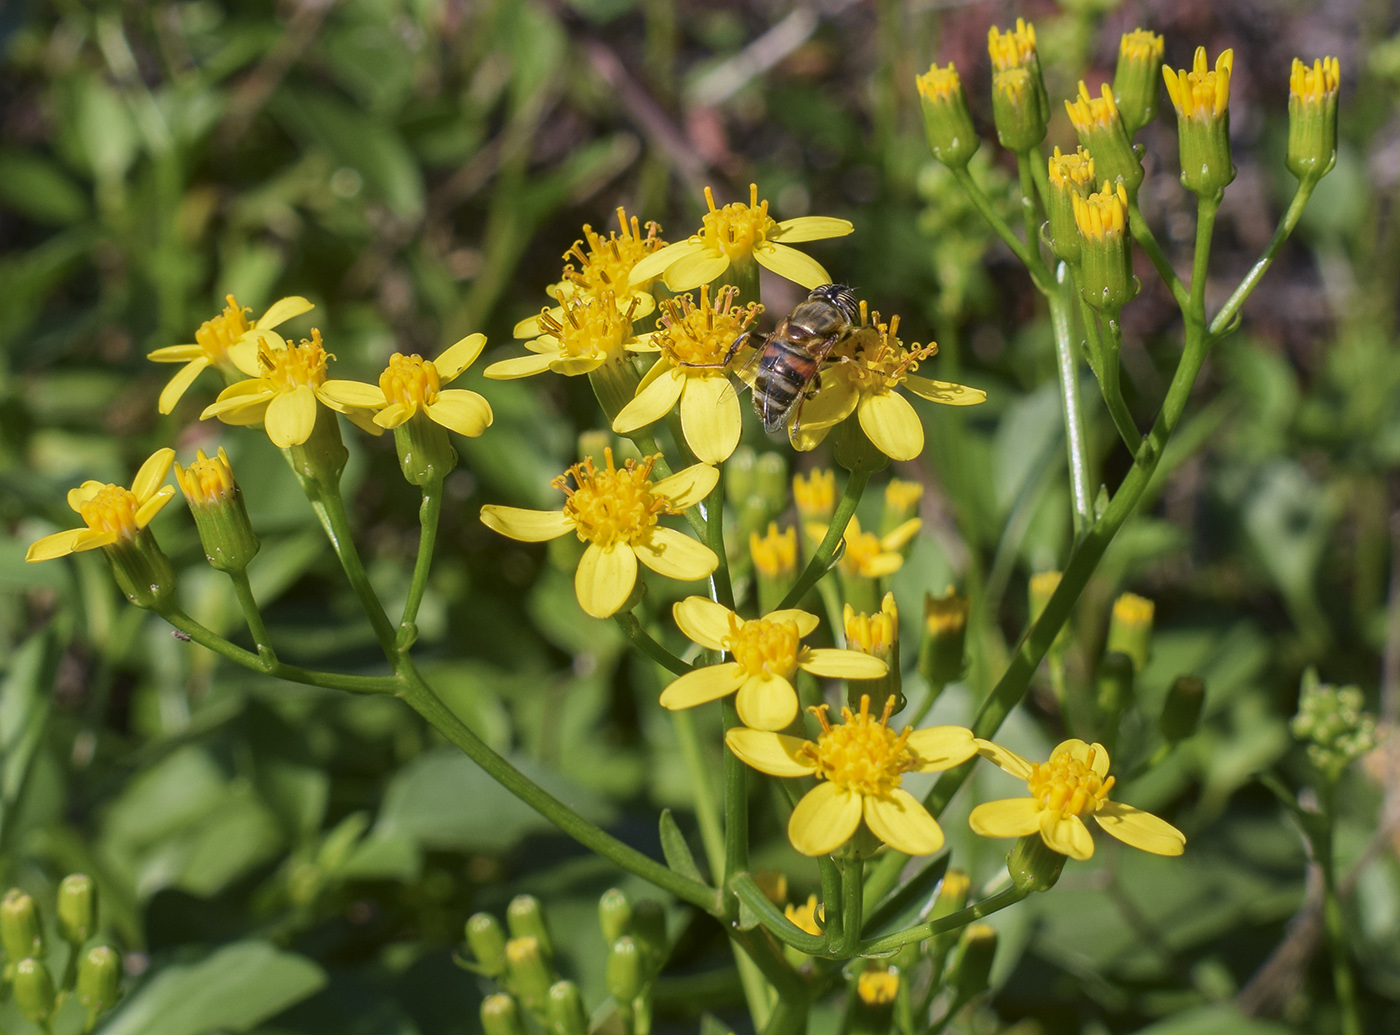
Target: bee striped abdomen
{"x":783,"y":375}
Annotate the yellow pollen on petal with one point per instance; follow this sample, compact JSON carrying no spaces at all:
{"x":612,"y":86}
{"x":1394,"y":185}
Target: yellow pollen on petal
{"x":410,"y":381}
{"x":592,"y":327}
{"x":763,"y":646}
{"x":737,"y":229}
{"x":1013,"y":48}
{"x":1069,"y":786}
{"x":1074,"y":171}
{"x":1090,"y":113}
{"x":1318,"y":83}
{"x":112,"y":509}
{"x":611,"y":505}
{"x":296,"y":365}
{"x":207,"y":481}
{"x":216,"y":336}
{"x":862,"y":755}
{"x":774,"y":554}
{"x":608,"y":261}
{"x":699,"y":337}
{"x":939,"y":84}
{"x":1104,"y":214}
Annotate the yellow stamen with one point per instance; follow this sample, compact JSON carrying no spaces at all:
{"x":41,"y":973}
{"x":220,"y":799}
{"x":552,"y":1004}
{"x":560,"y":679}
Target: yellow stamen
{"x":700,"y":336}
{"x":608,"y":262}
{"x":939,"y":84}
{"x":207,"y":481}
{"x":612,"y":505}
{"x":217,"y":335}
{"x":592,"y":326}
{"x":763,"y":646}
{"x":774,"y":554}
{"x":862,"y":755}
{"x":410,"y":381}
{"x":737,"y":229}
{"x":1315,"y":84}
{"x":879,"y":361}
{"x":1072,"y":171}
{"x":1104,"y":214}
{"x":1200,"y":93}
{"x":1013,"y":48}
{"x":1092,"y":113}
{"x":1069,"y":786}
{"x":297,"y":365}
{"x":112,"y":509}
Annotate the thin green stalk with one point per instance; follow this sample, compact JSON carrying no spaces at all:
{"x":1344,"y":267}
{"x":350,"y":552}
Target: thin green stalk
{"x":1022,"y":251}
{"x":1030,"y":211}
{"x":852,"y":903}
{"x":891,"y":942}
{"x":821,"y":557}
{"x":1147,"y":241}
{"x":643,"y":641}
{"x":1334,"y":921}
{"x":1040,"y":170}
{"x":243,"y":589}
{"x":774,"y":920}
{"x":418,"y":696}
{"x":706,"y":807}
{"x":832,"y":913}
{"x":1257,"y":271}
{"x":1206,"y":208}
{"x":1110,"y":382}
{"x":428,"y":513}
{"x":714,"y":539}
{"x":342,"y":540}
{"x":1092,"y":342}
{"x":1076,"y":440}
{"x":736,"y":803}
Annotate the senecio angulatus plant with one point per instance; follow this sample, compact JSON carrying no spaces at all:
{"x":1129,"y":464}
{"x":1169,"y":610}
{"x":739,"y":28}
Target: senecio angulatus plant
{"x":653,"y":326}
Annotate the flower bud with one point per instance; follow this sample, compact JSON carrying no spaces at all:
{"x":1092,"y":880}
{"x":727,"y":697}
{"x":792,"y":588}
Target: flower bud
{"x":565,"y":1010}
{"x":1016,"y":109}
{"x":500,"y":1016}
{"x":1113,"y":683}
{"x":528,"y":971}
{"x":525,"y":919}
{"x":77,"y":907}
{"x":974,"y":965}
{"x":1332,"y":723}
{"x":33,"y":989}
{"x":1071,"y":176}
{"x":1181,"y":712}
{"x":1100,"y":129}
{"x":807,"y":916}
{"x":770,"y":481}
{"x":877,"y":635}
{"x":901,"y":503}
{"x":21,"y":933}
{"x":739,"y":474}
{"x":649,"y":932}
{"x":623,"y":971}
{"x":774,"y":563}
{"x":1135,"y":82}
{"x":947,"y":122}
{"x":1312,"y":117}
{"x":1034,"y":865}
{"x":426,"y":455}
{"x":1202,"y":102}
{"x":1105,"y":249}
{"x":614,"y":914}
{"x":487,"y":942}
{"x":216,"y":502}
{"x":945,"y":634}
{"x":99,"y":977}
{"x":143,"y":572}
{"x":871,"y":1009}
{"x":1130,"y":628}
{"x":815,"y":495}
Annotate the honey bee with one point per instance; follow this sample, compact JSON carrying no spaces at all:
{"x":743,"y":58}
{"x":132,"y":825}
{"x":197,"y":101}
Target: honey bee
{"x":786,"y":367}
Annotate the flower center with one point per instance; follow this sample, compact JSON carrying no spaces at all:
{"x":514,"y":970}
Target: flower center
{"x":207,"y":481}
{"x":700,"y":336}
{"x":737,"y":229}
{"x":1073,"y":171}
{"x":1203,"y":93}
{"x":1068,"y":786}
{"x":939,"y":84}
{"x":862,"y":754}
{"x":763,"y":646}
{"x":410,"y":381}
{"x":592,"y":327}
{"x":612,"y":505}
{"x":878,"y":360}
{"x":608,"y":262}
{"x":113,"y":509}
{"x":296,"y":365}
{"x":216,"y":335}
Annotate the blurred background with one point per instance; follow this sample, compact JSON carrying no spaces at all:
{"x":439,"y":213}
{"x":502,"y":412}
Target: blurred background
{"x":417,"y":168}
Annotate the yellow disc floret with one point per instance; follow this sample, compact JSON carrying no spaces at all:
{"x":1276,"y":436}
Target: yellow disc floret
{"x":296,"y":365}
{"x":700,"y":336}
{"x":410,"y":381}
{"x":1074,"y":171}
{"x":207,"y":481}
{"x":216,"y":336}
{"x":815,"y":493}
{"x":774,"y":554}
{"x":608,"y":262}
{"x":1141,"y":45}
{"x":1104,"y":214}
{"x":764,"y":646}
{"x":939,"y":84}
{"x":1069,"y":785}
{"x":1090,"y":113}
{"x":113,"y":510}
{"x":612,"y":505}
{"x":878,"y":360}
{"x":1317,"y":83}
{"x":737,"y":229}
{"x":591,"y":328}
{"x":1013,"y":48}
{"x":1201,"y":93}
{"x":862,"y":755}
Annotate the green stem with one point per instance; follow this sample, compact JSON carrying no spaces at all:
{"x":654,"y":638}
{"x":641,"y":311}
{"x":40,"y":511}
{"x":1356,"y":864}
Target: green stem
{"x":821,"y":557}
{"x":1142,"y":234}
{"x":891,"y":942}
{"x":643,"y":641}
{"x":1286,"y":225}
{"x":852,"y":903}
{"x":421,"y":699}
{"x":702,"y":786}
{"x":714,"y":539}
{"x":243,"y":589}
{"x":736,"y":803}
{"x":1022,"y":251}
{"x":832,"y":913}
{"x":337,"y":525}
{"x":773,"y":919}
{"x":1041,"y":172}
{"x":428,"y":513}
{"x":1093,"y":343}
{"x":1110,"y":382}
{"x":1030,"y":212}
{"x":1334,"y":921}
{"x":1067,"y":366}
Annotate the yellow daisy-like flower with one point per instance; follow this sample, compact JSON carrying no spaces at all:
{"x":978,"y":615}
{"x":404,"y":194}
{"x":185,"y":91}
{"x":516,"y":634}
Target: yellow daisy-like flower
{"x":214,"y":340}
{"x":860,"y":764}
{"x":869,"y":555}
{"x":767,"y":652}
{"x":110,"y":512}
{"x":1073,"y":785}
{"x":615,"y":512}
{"x":412,"y":384}
{"x":695,"y":345}
{"x":738,"y":234}
{"x":589,"y":332}
{"x":861,"y":376}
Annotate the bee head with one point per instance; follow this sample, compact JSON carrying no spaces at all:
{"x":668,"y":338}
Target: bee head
{"x":840,"y":296}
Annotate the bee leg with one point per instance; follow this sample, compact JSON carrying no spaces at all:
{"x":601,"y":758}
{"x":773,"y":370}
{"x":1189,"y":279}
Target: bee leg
{"x":736,"y":345}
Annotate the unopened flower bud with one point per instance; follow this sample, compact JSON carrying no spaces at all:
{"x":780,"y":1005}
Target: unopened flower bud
{"x":1016,"y":109}
{"x":947,"y":122}
{"x":77,"y":907}
{"x":1182,"y":711}
{"x":774,"y":563}
{"x":99,"y":977}
{"x":528,"y":971}
{"x":1113,"y":684}
{"x":623,"y":972}
{"x":1100,"y":129}
{"x":1034,"y":865}
{"x":1334,"y":725}
{"x":21,"y":933}
{"x":216,"y":502}
{"x":1105,"y":249}
{"x":565,"y":1010}
{"x":525,"y":919}
{"x":974,"y":965}
{"x":1202,"y":101}
{"x":770,"y":481}
{"x":649,"y":932}
{"x":1136,"y":82}
{"x":945,"y":635}
{"x":1312,"y":117}
{"x":815,"y":494}
{"x":739,"y":474}
{"x":872,"y":1008}
{"x":1071,"y":176}
{"x":877,"y":635}
{"x":500,"y":1016}
{"x":487,"y":942}
{"x":614,"y":914}
{"x":34,"y":991}
{"x":1130,"y":628}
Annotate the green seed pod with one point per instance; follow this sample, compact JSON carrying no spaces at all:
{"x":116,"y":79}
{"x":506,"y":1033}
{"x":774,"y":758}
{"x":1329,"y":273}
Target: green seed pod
{"x":525,"y":919}
{"x":77,"y":907}
{"x":99,"y":975}
{"x":528,"y":971}
{"x":34,"y":991}
{"x":565,"y":1010}
{"x":500,"y":1016}
{"x":487,"y":942}
{"x":614,"y":914}
{"x":21,"y":933}
{"x":623,"y":974}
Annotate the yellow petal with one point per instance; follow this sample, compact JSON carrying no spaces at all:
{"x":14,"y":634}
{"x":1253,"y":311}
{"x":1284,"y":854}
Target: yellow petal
{"x":773,"y":753}
{"x":791,"y":264}
{"x":710,"y":418}
{"x":892,"y":425}
{"x":80,"y":495}
{"x":1082,"y":752}
{"x":178,"y":354}
{"x":152,"y":473}
{"x":675,"y":555}
{"x":654,"y":399}
{"x":242,"y":408}
{"x":281,"y":311}
{"x":834,"y":402}
{"x":392,"y":416}
{"x":291,"y":416}
{"x":896,"y":539}
{"x":903,"y":823}
{"x":655,"y":264}
{"x":687,"y":487}
{"x":180,"y":383}
{"x":339,"y":394}
{"x":1140,"y":829}
{"x":520,"y":366}
{"x":941,"y":747}
{"x":1004,"y":759}
{"x":824,"y":819}
{"x":805,"y":621}
{"x":810,"y":228}
{"x":153,"y":506}
{"x":805,"y":439}
{"x":766,"y":703}
{"x":576,"y":365}
{"x":881,"y":565}
{"x":363,"y":419}
{"x":690,"y":271}
{"x":458,"y":356}
{"x":92,"y":538}
{"x":60,"y":544}
{"x":703,"y":685}
{"x":530,"y":326}
{"x":841,"y":664}
{"x":944,"y":392}
{"x":529,"y":526}
{"x":1066,"y":834}
{"x":605,"y":578}
{"x":462,"y":411}
{"x":1011,"y":817}
{"x":703,"y":621}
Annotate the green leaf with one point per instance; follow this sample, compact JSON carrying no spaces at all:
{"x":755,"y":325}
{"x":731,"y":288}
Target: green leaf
{"x":1215,"y":1020}
{"x":910,"y":900}
{"x":38,"y":189}
{"x":674,"y":848}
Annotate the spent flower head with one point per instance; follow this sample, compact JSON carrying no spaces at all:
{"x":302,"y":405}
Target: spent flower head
{"x":1333,"y":723}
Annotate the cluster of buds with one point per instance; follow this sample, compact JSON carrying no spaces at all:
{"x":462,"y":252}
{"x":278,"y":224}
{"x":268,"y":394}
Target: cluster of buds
{"x":1333,"y":724}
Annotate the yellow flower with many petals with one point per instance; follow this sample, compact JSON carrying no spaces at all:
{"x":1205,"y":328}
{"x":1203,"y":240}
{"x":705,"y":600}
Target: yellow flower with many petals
{"x":694,"y":342}
{"x":860,"y":764}
{"x":767,"y":653}
{"x":869,"y":555}
{"x":1073,"y":785}
{"x":110,"y":512}
{"x":861,"y":376}
{"x":615,"y":512}
{"x":214,"y":340}
{"x":411,"y":384}
{"x":589,"y":332}
{"x":738,"y":234}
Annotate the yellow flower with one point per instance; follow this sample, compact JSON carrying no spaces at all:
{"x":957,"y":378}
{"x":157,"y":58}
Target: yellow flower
{"x":1072,"y":785}
{"x":738,"y":234}
{"x":860,"y":764}
{"x":412,"y":384}
{"x":214,"y":340}
{"x":694,"y":342}
{"x":815,"y":494}
{"x":1014,"y":48}
{"x":774,"y":555}
{"x":805,"y":916}
{"x":281,"y":393}
{"x":767,"y":652}
{"x":110,"y":512}
{"x":615,"y":512}
{"x":861,"y":376}
{"x":867,"y":554}
{"x":1093,"y":114}
{"x":1103,"y":215}
{"x":589,"y":332}
{"x":877,"y":986}
{"x":1201,"y":94}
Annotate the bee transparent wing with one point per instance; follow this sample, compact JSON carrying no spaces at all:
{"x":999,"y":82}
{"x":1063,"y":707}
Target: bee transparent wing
{"x":748,"y":372}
